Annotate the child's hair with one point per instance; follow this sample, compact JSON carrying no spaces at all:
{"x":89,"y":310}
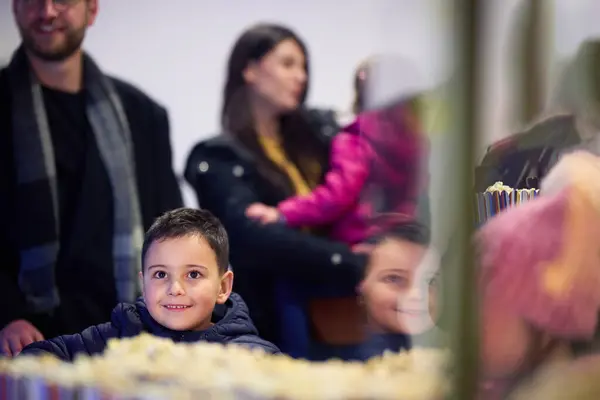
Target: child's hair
{"x":190,"y":222}
{"x":413,"y":232}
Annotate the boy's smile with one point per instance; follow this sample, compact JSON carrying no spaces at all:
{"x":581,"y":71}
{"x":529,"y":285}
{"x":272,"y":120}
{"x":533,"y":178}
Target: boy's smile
{"x":411,"y":313}
{"x":176,"y":307}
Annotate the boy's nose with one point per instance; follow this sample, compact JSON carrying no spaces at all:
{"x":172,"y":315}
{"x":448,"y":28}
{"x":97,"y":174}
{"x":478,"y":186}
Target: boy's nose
{"x":176,"y":289}
{"x":415,"y":298}
{"x":416,"y":292}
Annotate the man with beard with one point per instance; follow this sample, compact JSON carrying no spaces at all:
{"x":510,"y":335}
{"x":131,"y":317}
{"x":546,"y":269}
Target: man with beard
{"x":85,"y":167}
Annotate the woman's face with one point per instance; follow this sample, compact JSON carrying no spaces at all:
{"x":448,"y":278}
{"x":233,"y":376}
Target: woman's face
{"x":400,"y":289}
{"x":278,"y":80}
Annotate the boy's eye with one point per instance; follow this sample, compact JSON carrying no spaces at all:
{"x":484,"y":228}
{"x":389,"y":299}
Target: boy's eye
{"x":195,"y":274}
{"x":395,"y":279}
{"x":160,"y":274}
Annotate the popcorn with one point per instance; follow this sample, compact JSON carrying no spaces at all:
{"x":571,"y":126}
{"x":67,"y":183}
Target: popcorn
{"x":148,"y":367}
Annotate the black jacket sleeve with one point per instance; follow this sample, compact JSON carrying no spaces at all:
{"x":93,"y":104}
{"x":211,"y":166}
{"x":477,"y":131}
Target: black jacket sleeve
{"x":149,"y":124}
{"x":167,"y":187}
{"x":91,"y":341}
{"x":275,"y":248}
{"x":12,"y":302}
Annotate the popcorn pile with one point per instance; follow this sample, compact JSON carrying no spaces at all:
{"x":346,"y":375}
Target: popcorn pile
{"x":147,"y":367}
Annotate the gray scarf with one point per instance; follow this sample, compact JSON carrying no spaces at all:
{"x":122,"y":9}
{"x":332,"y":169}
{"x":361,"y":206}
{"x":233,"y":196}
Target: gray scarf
{"x":37,"y":192}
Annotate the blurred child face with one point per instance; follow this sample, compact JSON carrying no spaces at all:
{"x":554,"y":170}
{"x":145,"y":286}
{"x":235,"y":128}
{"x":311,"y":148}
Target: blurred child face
{"x":400,"y":288}
{"x":182,"y":283}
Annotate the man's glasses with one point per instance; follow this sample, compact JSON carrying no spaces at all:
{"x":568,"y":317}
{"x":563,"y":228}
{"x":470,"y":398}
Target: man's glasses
{"x":57,"y":4}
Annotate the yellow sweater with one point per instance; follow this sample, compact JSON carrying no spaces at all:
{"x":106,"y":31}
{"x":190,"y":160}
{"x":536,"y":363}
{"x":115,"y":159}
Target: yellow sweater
{"x":275,"y":153}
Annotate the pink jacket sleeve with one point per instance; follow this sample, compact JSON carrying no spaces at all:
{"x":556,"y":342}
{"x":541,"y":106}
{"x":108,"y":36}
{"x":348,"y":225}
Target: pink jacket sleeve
{"x":341,"y":190}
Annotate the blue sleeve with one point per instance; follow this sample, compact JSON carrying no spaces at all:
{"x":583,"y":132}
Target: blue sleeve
{"x":91,"y":341}
{"x":253,"y":342}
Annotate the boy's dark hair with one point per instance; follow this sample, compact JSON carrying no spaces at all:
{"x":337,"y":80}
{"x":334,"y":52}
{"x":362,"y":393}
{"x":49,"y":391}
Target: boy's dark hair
{"x":188,"y":221}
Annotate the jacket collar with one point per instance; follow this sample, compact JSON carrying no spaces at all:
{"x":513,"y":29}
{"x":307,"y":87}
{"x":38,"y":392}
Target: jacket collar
{"x":231,"y":320}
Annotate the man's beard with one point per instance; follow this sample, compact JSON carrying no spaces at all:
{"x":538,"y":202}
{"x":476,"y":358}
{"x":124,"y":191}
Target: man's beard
{"x":71,"y":44}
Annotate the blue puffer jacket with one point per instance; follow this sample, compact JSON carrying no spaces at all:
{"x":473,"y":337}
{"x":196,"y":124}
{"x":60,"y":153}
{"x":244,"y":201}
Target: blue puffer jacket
{"x":232,"y":324}
{"x":376,"y":345}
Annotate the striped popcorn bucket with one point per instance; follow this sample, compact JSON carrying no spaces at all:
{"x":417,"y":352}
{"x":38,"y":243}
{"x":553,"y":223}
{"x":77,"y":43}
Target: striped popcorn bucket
{"x":492,"y":202}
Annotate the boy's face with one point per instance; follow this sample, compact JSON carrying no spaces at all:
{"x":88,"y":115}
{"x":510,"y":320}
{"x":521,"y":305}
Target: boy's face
{"x":400,"y":288}
{"x":182,"y":283}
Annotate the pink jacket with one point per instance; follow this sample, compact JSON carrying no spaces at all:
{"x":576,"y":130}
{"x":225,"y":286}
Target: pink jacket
{"x":373,"y":172}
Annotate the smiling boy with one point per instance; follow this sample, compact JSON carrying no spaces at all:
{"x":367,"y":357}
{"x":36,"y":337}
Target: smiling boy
{"x":186,"y":292}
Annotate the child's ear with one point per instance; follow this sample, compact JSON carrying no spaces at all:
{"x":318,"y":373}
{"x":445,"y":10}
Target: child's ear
{"x":225,"y":288}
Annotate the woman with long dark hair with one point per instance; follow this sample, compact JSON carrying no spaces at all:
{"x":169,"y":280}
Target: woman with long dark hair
{"x":300,"y":287}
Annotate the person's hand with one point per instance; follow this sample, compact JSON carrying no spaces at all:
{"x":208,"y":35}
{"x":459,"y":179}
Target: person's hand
{"x":16,"y":335}
{"x":363,"y":248}
{"x":256,"y":211}
{"x":263,"y":213}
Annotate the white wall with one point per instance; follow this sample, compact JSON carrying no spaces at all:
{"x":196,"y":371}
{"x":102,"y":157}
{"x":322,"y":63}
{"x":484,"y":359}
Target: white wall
{"x":574,"y":22}
{"x":177,"y":50}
